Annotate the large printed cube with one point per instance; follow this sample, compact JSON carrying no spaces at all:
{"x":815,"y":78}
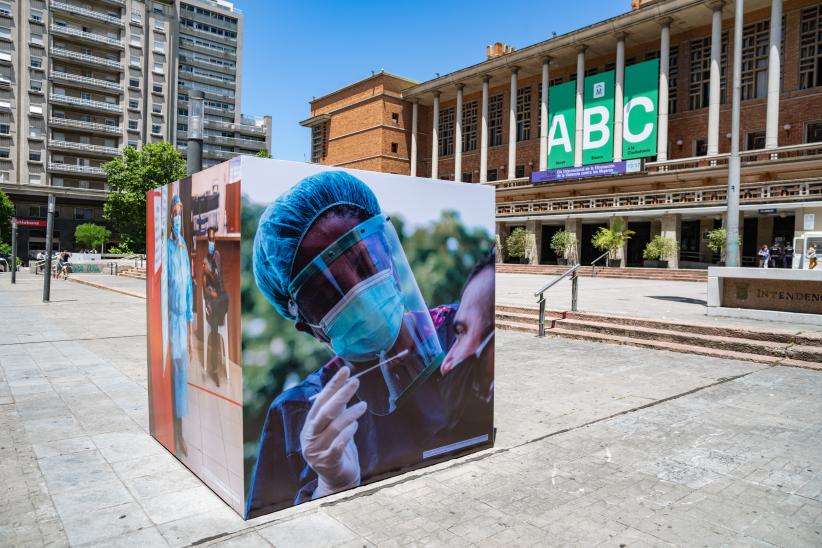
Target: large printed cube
{"x":313,"y":329}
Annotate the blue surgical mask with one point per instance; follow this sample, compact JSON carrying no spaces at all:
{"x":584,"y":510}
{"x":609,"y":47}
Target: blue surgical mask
{"x":211,"y":248}
{"x":176,"y":223}
{"x":367,"y":320}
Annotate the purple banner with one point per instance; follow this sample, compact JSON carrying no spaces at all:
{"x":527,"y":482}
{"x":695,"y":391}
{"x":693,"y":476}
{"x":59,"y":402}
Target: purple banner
{"x":605,"y":169}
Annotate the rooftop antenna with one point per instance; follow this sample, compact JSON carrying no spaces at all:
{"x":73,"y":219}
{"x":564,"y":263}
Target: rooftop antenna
{"x":438,"y":74}
{"x":553,"y":34}
{"x":372,"y":73}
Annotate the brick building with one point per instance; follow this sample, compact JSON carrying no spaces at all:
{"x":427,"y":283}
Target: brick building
{"x":386,"y":123}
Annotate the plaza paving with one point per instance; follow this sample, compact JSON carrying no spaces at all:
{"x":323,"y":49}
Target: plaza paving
{"x":597,"y":444}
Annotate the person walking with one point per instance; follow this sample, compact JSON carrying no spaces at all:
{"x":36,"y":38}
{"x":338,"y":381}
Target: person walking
{"x":764,"y":256}
{"x":812,"y":257}
{"x":787,"y":259}
{"x":216,"y":306}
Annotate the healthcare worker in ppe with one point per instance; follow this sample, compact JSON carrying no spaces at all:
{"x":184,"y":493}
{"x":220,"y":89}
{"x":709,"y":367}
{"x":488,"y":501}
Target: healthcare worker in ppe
{"x":180,"y":316}
{"x":328,"y":259}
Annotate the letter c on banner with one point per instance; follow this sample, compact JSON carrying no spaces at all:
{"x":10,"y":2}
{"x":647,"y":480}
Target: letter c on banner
{"x":601,"y":127}
{"x":646,"y":104}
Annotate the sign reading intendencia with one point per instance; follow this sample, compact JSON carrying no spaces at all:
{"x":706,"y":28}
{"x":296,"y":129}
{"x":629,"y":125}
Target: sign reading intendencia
{"x":639,"y":126}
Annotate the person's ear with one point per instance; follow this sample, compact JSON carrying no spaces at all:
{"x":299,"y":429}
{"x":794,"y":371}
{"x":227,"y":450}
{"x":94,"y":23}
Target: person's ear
{"x":300,"y":325}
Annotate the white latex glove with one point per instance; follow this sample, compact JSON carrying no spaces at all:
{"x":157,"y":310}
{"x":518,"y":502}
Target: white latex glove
{"x":327,"y":437}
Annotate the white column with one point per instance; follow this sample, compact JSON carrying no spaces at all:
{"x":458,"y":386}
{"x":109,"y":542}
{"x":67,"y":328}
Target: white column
{"x":435,"y":137}
{"x":483,"y":174}
{"x":512,"y":126}
{"x":414,"y":116}
{"x":543,"y":109}
{"x":458,"y":136}
{"x":619,"y":80}
{"x":774,"y":63}
{"x":713,"y":97}
{"x":664,"y":73}
{"x":579,"y":105}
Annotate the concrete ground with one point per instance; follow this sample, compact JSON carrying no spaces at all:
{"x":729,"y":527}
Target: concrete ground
{"x":597,"y":445}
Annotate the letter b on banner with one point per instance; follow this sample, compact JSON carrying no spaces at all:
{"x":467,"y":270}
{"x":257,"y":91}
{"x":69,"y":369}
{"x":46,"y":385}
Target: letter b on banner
{"x":641,"y":108}
{"x":598,"y":119}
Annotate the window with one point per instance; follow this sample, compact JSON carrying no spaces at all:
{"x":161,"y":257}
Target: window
{"x":85,"y":95}
{"x":155,"y":128}
{"x":36,"y":85}
{"x":134,"y":144}
{"x":469,"y":126}
{"x":5,"y":129}
{"x":4,"y":152}
{"x":701,"y":148}
{"x":495,"y":121}
{"x":158,"y":67}
{"x":133,"y":104}
{"x":519,"y":172}
{"x":5,"y":32}
{"x":36,"y":39}
{"x":34,"y":155}
{"x":539,"y":108}
{"x":755,"y":42}
{"x":133,"y":124}
{"x":492,"y":175}
{"x":813,"y":132}
{"x":524,"y":113}
{"x":157,"y":108}
{"x":133,"y":83}
{"x":318,"y":142}
{"x":134,"y":60}
{"x":395,"y":148}
{"x":395,"y":117}
{"x":700,"y":78}
{"x":673,"y":78}
{"x":755,"y":140}
{"x":37,"y":15}
{"x":810,"y":47}
{"x":159,"y":45}
{"x":83,"y":213}
{"x":157,"y":88}
{"x":5,"y":9}
{"x":467,"y":177}
{"x":36,"y":62}
{"x":446,"y":132}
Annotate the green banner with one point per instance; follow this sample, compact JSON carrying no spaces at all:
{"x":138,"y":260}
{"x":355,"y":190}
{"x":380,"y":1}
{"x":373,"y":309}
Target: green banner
{"x":561,"y":123}
{"x":641,"y":109}
{"x":598,"y":119}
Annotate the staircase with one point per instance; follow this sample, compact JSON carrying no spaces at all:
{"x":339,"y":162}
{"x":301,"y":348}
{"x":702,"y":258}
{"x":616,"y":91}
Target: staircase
{"x":675,"y":274}
{"x":138,"y":272}
{"x":760,"y":346}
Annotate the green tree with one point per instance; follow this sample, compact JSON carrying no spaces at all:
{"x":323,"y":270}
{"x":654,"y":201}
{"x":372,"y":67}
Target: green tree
{"x":517,"y":243}
{"x":91,"y":235}
{"x":611,"y":239}
{"x":130,"y":176}
{"x":661,"y":248}
{"x":6,"y":213}
{"x":263,"y":153}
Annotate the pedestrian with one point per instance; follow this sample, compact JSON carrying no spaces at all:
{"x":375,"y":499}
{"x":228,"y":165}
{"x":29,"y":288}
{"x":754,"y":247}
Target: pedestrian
{"x":216,"y":305}
{"x":776,"y":255}
{"x":788,"y":257}
{"x":812,"y":256}
{"x":764,"y":256}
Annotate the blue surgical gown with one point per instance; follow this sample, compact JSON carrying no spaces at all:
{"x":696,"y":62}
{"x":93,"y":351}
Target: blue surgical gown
{"x":180,"y":313}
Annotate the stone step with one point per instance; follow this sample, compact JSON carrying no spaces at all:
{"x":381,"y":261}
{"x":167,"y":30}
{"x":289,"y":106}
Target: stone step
{"x":684,"y":348}
{"x":610,"y":272}
{"x":509,"y":325}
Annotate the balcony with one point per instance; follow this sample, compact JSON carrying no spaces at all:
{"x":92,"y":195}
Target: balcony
{"x":230,"y":84}
{"x":91,"y":171}
{"x":5,"y":57}
{"x":86,"y":58}
{"x":235,"y":141}
{"x":219,"y":154}
{"x":85,"y":81}
{"x":798,"y":190}
{"x":85,"y":12}
{"x":90,"y":36}
{"x":86,"y":126}
{"x":57,"y":144}
{"x":257,"y":130}
{"x":210,"y":50}
{"x":86,"y":103}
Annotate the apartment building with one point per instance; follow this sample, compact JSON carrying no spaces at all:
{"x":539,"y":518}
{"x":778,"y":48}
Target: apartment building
{"x":209,"y":59}
{"x":488,"y":123}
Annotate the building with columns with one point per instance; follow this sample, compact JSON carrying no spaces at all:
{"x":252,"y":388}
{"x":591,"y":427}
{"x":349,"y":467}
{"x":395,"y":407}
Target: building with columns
{"x":488,"y":124}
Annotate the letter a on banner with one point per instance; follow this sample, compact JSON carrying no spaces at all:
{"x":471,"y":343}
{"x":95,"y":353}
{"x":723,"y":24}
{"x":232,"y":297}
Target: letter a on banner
{"x":562,"y":101}
{"x":598,"y":119}
{"x":641,"y":110}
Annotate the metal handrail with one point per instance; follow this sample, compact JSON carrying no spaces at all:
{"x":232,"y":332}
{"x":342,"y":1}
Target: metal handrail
{"x":595,"y":261}
{"x":570,"y":272}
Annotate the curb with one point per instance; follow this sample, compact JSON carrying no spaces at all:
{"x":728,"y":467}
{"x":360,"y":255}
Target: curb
{"x":108,"y":287}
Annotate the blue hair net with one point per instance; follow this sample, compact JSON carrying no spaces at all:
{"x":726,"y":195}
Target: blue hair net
{"x":175,"y":200}
{"x":284,"y":223}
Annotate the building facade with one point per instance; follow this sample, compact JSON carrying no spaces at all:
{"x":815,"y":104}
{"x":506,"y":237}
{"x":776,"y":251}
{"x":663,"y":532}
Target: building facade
{"x":78,"y":82}
{"x":210,"y":59}
{"x":488,"y":124}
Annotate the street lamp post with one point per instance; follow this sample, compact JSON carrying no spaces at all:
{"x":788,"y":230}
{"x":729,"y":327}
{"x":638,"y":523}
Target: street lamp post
{"x":734,"y":168}
{"x":49,"y":234}
{"x":14,"y":250}
{"x":194,"y":150}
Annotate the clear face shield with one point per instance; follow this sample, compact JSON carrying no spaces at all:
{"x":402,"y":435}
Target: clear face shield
{"x":360,"y":297}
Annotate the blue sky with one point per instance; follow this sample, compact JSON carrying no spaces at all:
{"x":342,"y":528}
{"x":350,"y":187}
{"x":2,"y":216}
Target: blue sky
{"x":296,"y":50}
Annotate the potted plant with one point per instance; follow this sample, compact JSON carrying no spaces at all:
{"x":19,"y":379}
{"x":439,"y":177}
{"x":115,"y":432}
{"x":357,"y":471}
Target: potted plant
{"x":612,"y":239}
{"x":517,"y":245}
{"x":717,"y":239}
{"x":658,"y":251}
{"x":564,"y":244}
